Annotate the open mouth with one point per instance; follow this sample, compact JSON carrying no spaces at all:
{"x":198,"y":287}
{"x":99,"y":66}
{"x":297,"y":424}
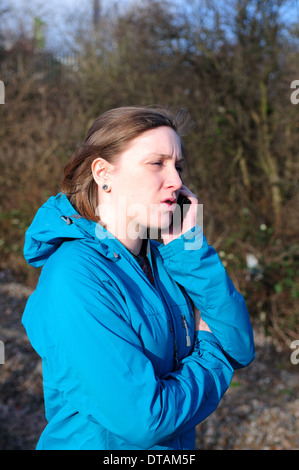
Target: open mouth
{"x":169,"y":203}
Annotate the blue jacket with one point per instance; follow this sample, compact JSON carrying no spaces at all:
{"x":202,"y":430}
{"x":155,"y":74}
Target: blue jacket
{"x":122,"y":365}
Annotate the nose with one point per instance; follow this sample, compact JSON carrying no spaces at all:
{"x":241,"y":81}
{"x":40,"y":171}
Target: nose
{"x":173,"y":180}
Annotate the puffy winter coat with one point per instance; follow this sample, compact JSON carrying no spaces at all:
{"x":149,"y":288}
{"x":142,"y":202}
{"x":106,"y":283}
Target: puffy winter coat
{"x":122,"y":365}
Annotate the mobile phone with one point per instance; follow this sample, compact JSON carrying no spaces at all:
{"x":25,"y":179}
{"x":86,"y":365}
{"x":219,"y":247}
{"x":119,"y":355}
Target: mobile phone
{"x":183,"y":200}
{"x":183,"y":203}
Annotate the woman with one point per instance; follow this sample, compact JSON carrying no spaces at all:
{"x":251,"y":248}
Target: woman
{"x":138,"y":339}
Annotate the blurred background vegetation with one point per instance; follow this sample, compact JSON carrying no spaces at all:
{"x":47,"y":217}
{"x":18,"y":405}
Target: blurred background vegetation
{"x":231,"y":64}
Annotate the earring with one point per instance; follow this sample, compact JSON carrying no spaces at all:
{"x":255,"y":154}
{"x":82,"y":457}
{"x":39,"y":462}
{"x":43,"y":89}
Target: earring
{"x":105,"y":187}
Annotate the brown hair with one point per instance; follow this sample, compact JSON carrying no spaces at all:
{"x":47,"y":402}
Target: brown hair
{"x":108,"y":137}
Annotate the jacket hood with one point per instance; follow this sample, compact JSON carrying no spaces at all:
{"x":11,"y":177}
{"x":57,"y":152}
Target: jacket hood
{"x":57,"y":221}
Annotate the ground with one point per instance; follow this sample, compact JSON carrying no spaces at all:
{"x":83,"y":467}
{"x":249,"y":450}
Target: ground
{"x":259,"y":411}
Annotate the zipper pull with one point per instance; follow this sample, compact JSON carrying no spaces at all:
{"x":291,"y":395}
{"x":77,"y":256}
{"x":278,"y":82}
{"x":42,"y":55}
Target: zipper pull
{"x":188,"y":339}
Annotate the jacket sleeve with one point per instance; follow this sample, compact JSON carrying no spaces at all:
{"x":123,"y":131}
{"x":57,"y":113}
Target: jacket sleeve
{"x":99,"y":365}
{"x":196,"y":266}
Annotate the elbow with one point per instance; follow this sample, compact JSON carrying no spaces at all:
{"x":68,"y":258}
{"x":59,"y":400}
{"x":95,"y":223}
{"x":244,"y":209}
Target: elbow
{"x":141,"y":435}
{"x":241,"y":348}
{"x":248,"y":356}
{"x":243,"y":355}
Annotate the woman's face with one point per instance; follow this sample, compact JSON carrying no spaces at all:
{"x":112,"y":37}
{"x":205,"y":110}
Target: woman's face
{"x":146,"y":180}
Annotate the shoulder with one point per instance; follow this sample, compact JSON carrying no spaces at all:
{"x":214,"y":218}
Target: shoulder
{"x":76,"y":260}
{"x":77,"y":275}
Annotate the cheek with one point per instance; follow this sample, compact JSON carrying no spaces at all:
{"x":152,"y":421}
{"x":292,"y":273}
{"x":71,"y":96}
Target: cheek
{"x":140,"y":187}
{"x":140,"y":191}
{"x":127,"y":188}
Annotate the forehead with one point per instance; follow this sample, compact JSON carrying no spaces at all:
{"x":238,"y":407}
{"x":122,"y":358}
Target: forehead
{"x":161,"y":140}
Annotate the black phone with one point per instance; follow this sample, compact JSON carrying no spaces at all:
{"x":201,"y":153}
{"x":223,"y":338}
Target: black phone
{"x":183,"y":203}
{"x":183,"y":200}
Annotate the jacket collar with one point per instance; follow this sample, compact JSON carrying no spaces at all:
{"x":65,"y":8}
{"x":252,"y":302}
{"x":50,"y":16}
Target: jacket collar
{"x":108,"y":244}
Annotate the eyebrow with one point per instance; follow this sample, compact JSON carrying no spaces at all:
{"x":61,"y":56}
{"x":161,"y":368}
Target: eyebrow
{"x":168,"y":157}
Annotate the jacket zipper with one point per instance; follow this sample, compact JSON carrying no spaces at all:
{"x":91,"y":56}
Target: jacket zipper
{"x":175,"y":348}
{"x":171,"y":326}
{"x":185,"y":326}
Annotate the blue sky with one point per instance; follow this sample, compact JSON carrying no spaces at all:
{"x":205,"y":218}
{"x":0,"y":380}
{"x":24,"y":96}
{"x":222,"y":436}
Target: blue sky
{"x":59,"y":15}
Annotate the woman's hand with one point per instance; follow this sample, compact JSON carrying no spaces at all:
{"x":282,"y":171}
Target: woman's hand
{"x":199,"y":323}
{"x":189,"y":220}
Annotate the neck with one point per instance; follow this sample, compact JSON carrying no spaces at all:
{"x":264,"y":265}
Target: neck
{"x":119,"y":225}
{"x":132,"y":244}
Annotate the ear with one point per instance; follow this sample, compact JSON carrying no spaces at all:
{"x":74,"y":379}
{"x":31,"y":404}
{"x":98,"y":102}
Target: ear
{"x":100,"y":170}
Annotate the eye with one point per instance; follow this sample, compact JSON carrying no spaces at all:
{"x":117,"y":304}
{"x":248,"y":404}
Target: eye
{"x":158,"y":163}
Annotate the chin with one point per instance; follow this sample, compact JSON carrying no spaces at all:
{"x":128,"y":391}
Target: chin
{"x":163,"y":223}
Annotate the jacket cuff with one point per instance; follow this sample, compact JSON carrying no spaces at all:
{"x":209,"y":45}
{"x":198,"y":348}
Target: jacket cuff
{"x":207,"y":336}
{"x":191,"y":240}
